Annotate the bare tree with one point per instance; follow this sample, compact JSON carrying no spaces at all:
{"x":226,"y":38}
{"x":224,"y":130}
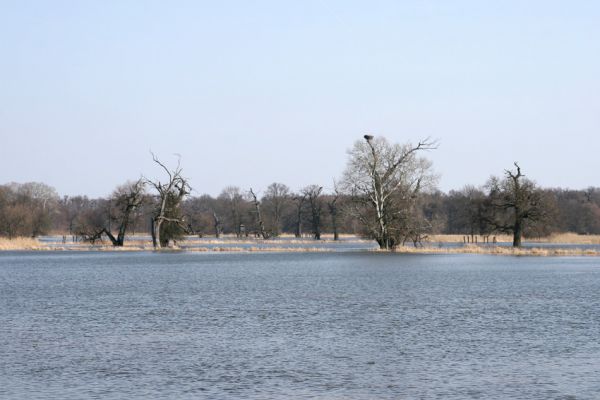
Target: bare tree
{"x":467,"y":212}
{"x":515,"y":201}
{"x":276,"y":198}
{"x":27,"y":208}
{"x":232,"y":197}
{"x":125,"y":201}
{"x":14,"y":220}
{"x":92,"y":221}
{"x":261,"y":225}
{"x":312,"y":193}
{"x":383,"y":181}
{"x":41,"y":201}
{"x":71,"y":209}
{"x":299,"y":201}
{"x":170,"y":195}
{"x":217,"y":225}
{"x":332,"y":205}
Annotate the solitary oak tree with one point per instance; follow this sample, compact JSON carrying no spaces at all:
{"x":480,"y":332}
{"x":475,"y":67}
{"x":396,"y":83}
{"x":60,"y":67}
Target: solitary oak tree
{"x":515,"y":202}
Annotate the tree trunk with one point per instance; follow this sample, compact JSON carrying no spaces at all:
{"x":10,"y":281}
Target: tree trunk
{"x":113,"y":240}
{"x":298,"y":232}
{"x":156,"y":233}
{"x":217,"y":225}
{"x":517,"y":233}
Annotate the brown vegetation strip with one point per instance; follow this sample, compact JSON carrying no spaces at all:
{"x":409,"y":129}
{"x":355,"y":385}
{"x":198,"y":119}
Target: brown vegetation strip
{"x":500,"y":250}
{"x":34,"y":244}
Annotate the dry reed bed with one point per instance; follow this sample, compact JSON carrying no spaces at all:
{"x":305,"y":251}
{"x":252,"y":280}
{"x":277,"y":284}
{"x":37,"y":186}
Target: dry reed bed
{"x":499,"y":250}
{"x":559,"y":238}
{"x":34,"y":244}
{"x":21,"y":243}
{"x":570,"y":238}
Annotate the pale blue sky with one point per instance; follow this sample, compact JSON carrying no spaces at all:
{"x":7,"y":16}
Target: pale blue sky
{"x":251,"y":92}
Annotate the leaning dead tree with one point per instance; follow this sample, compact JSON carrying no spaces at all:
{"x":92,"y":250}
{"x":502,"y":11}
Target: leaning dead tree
{"x":126,"y":200}
{"x":261,"y":225}
{"x":170,"y":195}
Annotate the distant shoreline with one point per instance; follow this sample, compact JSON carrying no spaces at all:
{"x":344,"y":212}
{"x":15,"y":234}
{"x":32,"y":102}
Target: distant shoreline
{"x":436,"y":244}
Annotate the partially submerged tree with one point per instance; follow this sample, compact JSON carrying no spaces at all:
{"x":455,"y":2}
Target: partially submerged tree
{"x":516,"y":201}
{"x":383,"y":181}
{"x":168,"y":221}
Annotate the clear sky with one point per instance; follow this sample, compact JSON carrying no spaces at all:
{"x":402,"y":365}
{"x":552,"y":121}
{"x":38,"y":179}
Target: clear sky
{"x":251,"y":92}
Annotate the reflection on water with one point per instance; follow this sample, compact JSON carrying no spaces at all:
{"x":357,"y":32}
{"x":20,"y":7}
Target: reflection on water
{"x":339,"y":325}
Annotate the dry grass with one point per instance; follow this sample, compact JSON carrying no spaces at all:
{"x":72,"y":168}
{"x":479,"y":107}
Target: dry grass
{"x":21,"y":243}
{"x":146,"y":245}
{"x":461,"y":238}
{"x":499,"y":250}
{"x":568,"y":238}
{"x":562,"y":238}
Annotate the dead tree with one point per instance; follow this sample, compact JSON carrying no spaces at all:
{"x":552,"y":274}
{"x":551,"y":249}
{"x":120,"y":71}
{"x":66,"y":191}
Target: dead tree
{"x":261,"y":225}
{"x":170,"y":195}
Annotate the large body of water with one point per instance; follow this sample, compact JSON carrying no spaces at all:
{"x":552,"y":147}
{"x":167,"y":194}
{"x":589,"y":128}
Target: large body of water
{"x":298,"y":325}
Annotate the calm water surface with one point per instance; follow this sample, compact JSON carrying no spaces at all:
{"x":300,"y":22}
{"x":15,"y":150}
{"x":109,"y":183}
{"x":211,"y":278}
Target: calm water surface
{"x":298,"y":325}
